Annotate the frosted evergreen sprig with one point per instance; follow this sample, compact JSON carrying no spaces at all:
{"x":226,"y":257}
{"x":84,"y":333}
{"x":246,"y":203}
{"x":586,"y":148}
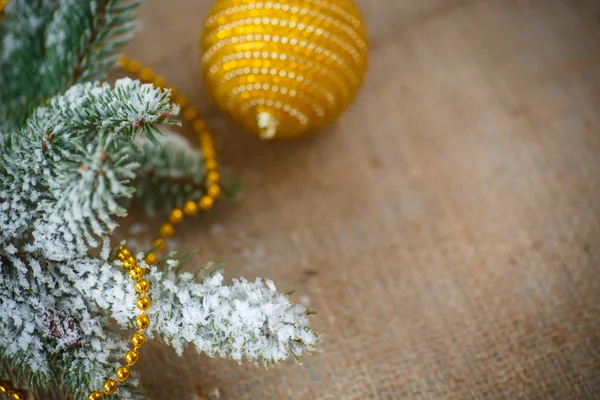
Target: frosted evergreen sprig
{"x":62,"y":174}
{"x":125,"y":111}
{"x":240,"y":320}
{"x":47,"y":46}
{"x":168,"y":174}
{"x":77,"y":295}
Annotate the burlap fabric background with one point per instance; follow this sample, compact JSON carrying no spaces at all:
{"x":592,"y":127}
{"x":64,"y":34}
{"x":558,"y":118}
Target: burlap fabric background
{"x":446,"y":229}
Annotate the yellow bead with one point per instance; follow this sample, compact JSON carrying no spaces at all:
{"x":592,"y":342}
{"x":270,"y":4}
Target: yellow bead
{"x":167,"y":230}
{"x":190,"y":207}
{"x":142,"y":286}
{"x":175,"y":216}
{"x":198,"y":126}
{"x":129,"y":262}
{"x":160,"y":242}
{"x":123,"y":60}
{"x":18,"y":394}
{"x":210,"y":163}
{"x":208,"y":152}
{"x":287,"y":68}
{"x":138,"y":340}
{"x":96,"y":395}
{"x":143,"y":303}
{"x":123,"y":253}
{"x":146,"y":74}
{"x":213,"y":177}
{"x":123,"y":373}
{"x":110,"y":386}
{"x":206,"y":139}
{"x":190,"y":113}
{"x":132,"y":357}
{"x":134,"y":66}
{"x":136,"y":272}
{"x":5,"y":386}
{"x":214,"y":191}
{"x":182,"y":100}
{"x":142,"y":321}
{"x":205,"y":203}
{"x":159,"y":82}
{"x":150,"y":259}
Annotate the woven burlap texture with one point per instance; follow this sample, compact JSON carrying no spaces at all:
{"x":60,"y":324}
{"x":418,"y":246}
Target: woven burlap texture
{"x":446,"y":228}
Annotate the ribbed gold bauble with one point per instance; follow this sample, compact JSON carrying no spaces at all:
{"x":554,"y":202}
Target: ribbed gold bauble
{"x":284,"y":68}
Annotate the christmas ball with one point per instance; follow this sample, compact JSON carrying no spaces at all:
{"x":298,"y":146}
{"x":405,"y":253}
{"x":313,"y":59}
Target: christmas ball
{"x":284,"y":69}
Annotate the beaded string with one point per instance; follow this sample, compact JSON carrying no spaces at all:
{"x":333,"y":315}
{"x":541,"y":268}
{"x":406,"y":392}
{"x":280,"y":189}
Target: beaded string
{"x":212,"y":178}
{"x":176,"y":216}
{"x":142,"y":321}
{"x":7,"y":389}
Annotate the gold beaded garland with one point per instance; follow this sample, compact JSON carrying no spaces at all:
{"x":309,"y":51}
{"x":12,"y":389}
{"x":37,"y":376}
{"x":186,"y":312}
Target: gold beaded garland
{"x":142,"y":286}
{"x":175,"y":216}
{"x":190,"y":207}
{"x":160,"y":242}
{"x":7,"y":389}
{"x":122,"y":373}
{"x":143,"y":303}
{"x":284,"y":69}
{"x":18,"y":394}
{"x":132,"y":357}
{"x":3,"y":4}
{"x":95,"y":395}
{"x":136,"y":272}
{"x":138,"y":340}
{"x":128,"y":263}
{"x":150,"y":259}
{"x":110,"y":386}
{"x":205,"y":203}
{"x":212,"y":178}
{"x":167,"y":230}
{"x":142,"y":322}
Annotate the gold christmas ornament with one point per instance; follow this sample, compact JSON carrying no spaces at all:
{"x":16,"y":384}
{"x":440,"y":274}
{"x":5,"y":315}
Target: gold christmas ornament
{"x":284,"y":69}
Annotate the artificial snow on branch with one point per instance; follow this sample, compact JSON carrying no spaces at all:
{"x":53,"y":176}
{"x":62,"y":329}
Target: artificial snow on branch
{"x":47,"y":46}
{"x":240,"y":320}
{"x":72,"y":152}
{"x":168,"y":174}
{"x":62,"y":175}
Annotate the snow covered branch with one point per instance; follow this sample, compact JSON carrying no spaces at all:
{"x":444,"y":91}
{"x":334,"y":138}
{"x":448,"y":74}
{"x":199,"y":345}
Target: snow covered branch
{"x":240,"y":320}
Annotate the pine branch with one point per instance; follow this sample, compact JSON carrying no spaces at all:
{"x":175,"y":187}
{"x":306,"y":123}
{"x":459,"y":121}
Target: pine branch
{"x":241,"y":320}
{"x":168,"y":175}
{"x":70,"y":41}
{"x":61,"y":176}
{"x":53,"y":322}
